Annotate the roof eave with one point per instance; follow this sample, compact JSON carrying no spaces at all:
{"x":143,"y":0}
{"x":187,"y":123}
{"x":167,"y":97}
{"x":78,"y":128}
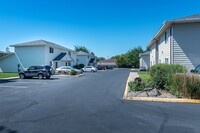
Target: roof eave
{"x":163,"y":28}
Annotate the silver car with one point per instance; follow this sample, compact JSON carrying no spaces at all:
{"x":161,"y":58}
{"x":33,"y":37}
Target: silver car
{"x":89,"y":69}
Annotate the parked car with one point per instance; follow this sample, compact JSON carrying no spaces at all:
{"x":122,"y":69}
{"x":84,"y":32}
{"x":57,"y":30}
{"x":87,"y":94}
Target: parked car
{"x":101,"y":67}
{"x":196,"y":70}
{"x":89,"y":69}
{"x":37,"y":71}
{"x":67,"y":69}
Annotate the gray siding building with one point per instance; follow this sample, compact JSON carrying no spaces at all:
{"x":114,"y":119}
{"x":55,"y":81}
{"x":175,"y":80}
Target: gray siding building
{"x":177,"y":42}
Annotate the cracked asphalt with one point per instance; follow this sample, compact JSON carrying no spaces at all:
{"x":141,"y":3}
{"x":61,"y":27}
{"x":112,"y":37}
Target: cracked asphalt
{"x":92,"y":103}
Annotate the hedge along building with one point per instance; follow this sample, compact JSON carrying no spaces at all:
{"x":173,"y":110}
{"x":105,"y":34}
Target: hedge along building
{"x":39,"y":52}
{"x":177,"y":42}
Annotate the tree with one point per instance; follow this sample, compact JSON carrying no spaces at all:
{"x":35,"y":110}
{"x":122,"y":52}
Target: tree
{"x":81,"y":48}
{"x":100,"y":58}
{"x":133,"y":56}
{"x":92,"y":53}
{"x":129,"y":59}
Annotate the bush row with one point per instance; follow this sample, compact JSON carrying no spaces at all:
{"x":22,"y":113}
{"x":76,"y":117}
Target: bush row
{"x":186,"y":85}
{"x":161,"y":75}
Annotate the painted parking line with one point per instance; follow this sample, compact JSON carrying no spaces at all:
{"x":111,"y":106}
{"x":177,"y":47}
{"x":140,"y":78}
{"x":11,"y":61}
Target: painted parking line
{"x":1,"y":86}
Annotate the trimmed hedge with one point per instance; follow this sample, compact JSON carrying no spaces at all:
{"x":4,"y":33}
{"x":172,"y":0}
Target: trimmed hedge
{"x":162,"y":75}
{"x":186,"y":85}
{"x":73,"y":72}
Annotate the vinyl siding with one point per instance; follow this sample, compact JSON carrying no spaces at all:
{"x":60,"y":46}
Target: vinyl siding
{"x":152,"y":55}
{"x":33,"y":55}
{"x":144,"y":61}
{"x":50,"y":56}
{"x":186,"y":44}
{"x":9,"y":64}
{"x":164,"y":48}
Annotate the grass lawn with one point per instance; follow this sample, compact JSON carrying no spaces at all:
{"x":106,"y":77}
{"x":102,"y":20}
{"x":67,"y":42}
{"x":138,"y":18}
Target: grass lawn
{"x":7,"y":75}
{"x":144,"y":75}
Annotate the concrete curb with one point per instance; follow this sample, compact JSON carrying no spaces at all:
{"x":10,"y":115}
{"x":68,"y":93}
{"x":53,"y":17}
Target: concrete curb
{"x":156,"y":99}
{"x":9,"y":78}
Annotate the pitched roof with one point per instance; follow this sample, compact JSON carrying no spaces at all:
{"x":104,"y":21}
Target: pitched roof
{"x":40,"y":43}
{"x":59,"y":57}
{"x":146,"y":53}
{"x":187,"y":18}
{"x":91,"y":60}
{"x":168,"y":23}
{"x":62,"y":55}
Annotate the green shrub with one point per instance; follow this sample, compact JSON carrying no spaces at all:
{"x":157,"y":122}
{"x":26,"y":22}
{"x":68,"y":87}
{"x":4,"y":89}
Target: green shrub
{"x":73,"y":72}
{"x":138,"y":86}
{"x":186,"y":85}
{"x":161,"y":75}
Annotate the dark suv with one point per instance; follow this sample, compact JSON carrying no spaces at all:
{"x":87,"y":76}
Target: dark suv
{"x":37,"y":71}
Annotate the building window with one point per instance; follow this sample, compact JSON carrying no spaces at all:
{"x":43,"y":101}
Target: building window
{"x":166,"y":37}
{"x":51,"y":50}
{"x":166,"y":61}
{"x":69,"y":53}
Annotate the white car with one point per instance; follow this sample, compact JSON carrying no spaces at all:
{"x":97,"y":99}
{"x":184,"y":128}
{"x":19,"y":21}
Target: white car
{"x":66,"y":69}
{"x":89,"y":69}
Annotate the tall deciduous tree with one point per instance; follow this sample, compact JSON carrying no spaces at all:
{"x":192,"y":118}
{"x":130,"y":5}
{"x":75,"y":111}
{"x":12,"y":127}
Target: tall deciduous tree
{"x":130,"y":59}
{"x":81,"y":48}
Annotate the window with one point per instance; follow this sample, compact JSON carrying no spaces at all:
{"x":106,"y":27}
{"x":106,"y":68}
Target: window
{"x":166,"y":37}
{"x":51,"y":50}
{"x":166,"y":61}
{"x":69,"y":53}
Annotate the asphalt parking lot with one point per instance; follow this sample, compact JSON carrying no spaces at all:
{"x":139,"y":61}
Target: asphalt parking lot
{"x":91,"y":103}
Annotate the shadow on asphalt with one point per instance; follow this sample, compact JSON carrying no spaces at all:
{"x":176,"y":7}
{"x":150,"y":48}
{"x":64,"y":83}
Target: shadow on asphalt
{"x":6,"y":80}
{"x":6,"y":130}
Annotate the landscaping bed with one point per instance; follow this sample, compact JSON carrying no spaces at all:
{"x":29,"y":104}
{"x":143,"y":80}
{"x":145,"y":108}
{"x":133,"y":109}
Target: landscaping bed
{"x":165,"y":81}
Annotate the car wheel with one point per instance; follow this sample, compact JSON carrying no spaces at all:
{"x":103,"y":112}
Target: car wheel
{"x":40,"y":76}
{"x":21,"y":76}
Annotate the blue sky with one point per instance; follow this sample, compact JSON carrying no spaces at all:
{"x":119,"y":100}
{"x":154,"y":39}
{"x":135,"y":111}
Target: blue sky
{"x":106,"y":27}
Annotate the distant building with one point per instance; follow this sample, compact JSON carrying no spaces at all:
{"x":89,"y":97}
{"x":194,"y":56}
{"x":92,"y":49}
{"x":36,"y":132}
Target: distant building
{"x":145,"y":60}
{"x":86,"y":59}
{"x":108,"y":62}
{"x":39,"y":52}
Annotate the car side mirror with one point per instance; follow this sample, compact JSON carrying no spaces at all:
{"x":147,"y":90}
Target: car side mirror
{"x":28,"y":69}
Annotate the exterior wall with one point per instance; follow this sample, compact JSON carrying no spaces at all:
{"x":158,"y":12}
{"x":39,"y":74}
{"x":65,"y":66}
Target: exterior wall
{"x":186,"y":44}
{"x":164,"y":48}
{"x":83,"y":59}
{"x":145,"y":61}
{"x":9,"y":64}
{"x":31,"y":55}
{"x":50,"y":56}
{"x":153,"y":55}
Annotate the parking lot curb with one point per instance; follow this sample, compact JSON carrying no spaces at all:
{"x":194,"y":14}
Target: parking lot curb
{"x":80,"y":75}
{"x":9,"y":78}
{"x":156,"y":99}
